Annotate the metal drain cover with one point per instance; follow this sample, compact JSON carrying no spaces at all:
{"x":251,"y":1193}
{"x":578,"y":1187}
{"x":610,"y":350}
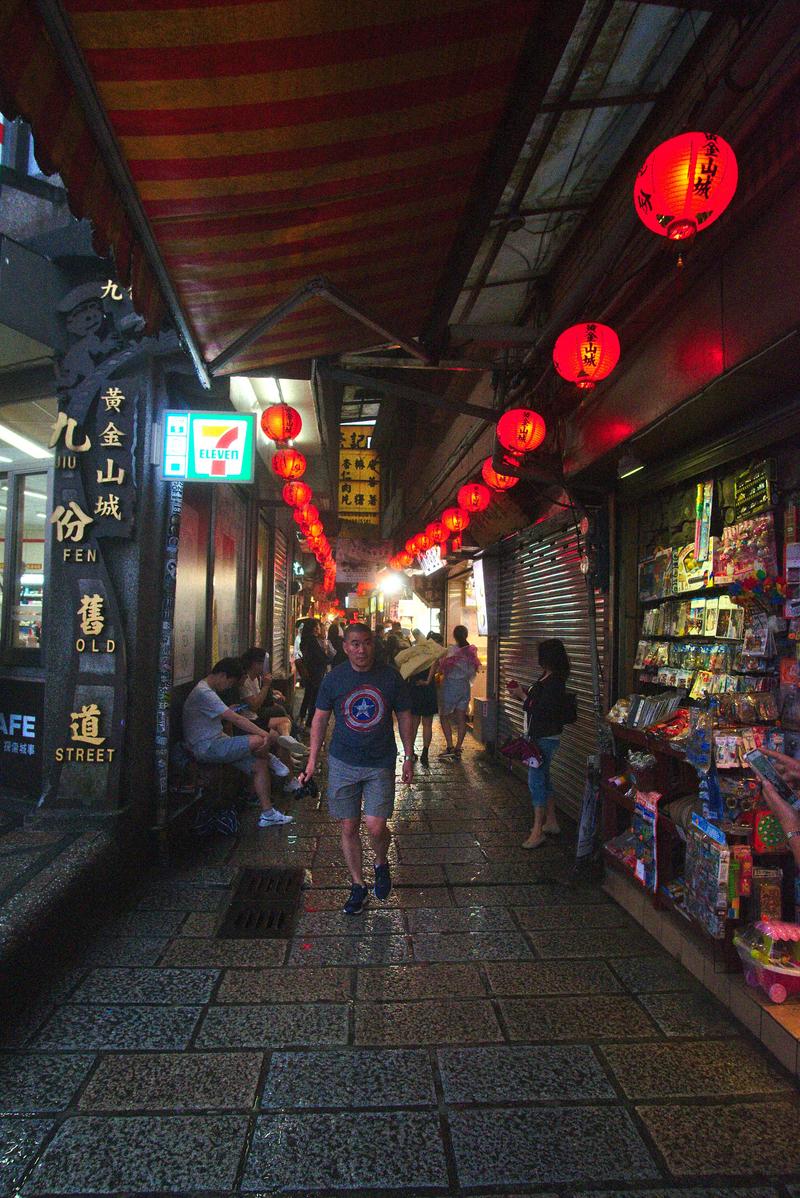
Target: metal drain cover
{"x":265,"y":905}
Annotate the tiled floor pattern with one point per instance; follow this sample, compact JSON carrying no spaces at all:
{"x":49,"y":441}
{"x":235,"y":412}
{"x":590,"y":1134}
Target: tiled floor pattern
{"x":495,"y":1028}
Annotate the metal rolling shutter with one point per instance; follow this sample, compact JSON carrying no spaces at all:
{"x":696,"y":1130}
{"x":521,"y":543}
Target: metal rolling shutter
{"x":280,"y":586}
{"x":542,"y":593}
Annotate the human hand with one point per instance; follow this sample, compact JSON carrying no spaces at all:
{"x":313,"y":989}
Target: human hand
{"x":278,"y":695}
{"x":307,"y":773}
{"x":787,"y":767}
{"x":408,"y":770}
{"x":786,"y":814}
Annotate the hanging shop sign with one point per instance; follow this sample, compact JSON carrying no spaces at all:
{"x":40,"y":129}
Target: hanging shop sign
{"x":209,"y":447}
{"x":359,"y":475}
{"x":431,"y":560}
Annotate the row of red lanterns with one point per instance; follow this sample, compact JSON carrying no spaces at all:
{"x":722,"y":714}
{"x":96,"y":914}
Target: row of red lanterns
{"x":282,"y":423}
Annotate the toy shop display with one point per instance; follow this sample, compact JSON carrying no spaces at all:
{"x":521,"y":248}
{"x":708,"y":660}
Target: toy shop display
{"x":717,"y":677}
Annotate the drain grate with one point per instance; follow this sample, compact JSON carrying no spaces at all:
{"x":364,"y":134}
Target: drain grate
{"x":265,"y":905}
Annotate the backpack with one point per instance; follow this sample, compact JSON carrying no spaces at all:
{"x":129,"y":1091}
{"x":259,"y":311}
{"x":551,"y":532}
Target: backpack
{"x":569,"y":711}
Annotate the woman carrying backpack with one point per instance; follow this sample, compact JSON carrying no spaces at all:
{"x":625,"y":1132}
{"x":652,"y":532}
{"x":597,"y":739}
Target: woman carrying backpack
{"x":545,"y":705}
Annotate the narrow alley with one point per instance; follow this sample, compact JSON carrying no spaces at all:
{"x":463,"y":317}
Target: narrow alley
{"x":495,"y":1024}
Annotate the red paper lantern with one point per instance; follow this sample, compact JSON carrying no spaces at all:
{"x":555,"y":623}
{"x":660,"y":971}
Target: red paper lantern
{"x":423,"y":542}
{"x":411,"y":546}
{"x":473,"y":497}
{"x":436,"y":531}
{"x":455,"y":545}
{"x":315,"y":529}
{"x":405,"y":559}
{"x":289,"y":464}
{"x":586,"y":353}
{"x":280,"y":422}
{"x":296,"y":494}
{"x":455,"y":519}
{"x":521,"y":430}
{"x":307,"y":514}
{"x":498,"y":482}
{"x":685,"y":184}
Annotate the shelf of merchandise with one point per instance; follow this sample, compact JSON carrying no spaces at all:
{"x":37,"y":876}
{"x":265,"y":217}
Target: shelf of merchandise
{"x":673,"y":777}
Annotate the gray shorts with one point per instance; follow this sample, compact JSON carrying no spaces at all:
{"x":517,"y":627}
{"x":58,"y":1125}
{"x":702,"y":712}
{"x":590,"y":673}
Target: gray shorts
{"x":228,"y":750}
{"x":349,"y":784}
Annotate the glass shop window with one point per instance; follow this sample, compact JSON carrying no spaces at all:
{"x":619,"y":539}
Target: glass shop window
{"x":23,"y":510}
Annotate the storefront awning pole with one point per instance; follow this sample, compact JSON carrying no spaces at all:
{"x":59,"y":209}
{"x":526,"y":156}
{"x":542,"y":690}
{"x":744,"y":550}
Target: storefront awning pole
{"x":72,"y":60}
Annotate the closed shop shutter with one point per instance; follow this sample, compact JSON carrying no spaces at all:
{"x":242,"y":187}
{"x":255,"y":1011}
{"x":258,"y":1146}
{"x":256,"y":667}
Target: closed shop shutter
{"x":280,"y":606}
{"x":542,"y":594}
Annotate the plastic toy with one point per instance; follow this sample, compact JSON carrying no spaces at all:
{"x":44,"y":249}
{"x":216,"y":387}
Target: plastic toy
{"x":770,"y":954}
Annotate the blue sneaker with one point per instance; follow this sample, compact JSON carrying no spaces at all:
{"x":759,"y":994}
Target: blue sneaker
{"x":357,"y":900}
{"x":383,"y":882}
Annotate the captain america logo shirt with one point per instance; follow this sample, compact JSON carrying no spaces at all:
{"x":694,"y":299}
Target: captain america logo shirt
{"x":363,"y":709}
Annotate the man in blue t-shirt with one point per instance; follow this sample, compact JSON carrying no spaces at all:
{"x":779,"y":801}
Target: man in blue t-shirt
{"x":362,"y":697}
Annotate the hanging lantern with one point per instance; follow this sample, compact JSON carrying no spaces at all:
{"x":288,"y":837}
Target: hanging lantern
{"x":455,"y":545}
{"x":685,"y":184}
{"x":307,"y":514}
{"x":411,"y":546}
{"x":289,"y":464}
{"x":473,"y":497}
{"x":423,"y":542}
{"x":586,"y":353}
{"x":436,"y":531}
{"x":315,"y":529}
{"x":296,"y":494}
{"x":498,"y":482}
{"x":455,"y":519}
{"x":521,"y":430}
{"x":405,"y":559}
{"x":281,"y":423}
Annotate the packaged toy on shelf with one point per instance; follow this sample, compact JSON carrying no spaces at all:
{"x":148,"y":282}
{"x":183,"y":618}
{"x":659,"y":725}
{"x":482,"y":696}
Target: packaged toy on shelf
{"x":770,"y":954}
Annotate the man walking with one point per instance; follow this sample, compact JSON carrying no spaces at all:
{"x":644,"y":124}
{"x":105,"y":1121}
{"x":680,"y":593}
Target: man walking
{"x":362,"y":696}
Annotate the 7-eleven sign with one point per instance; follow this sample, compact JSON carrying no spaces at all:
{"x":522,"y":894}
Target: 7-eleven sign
{"x":209,"y":446}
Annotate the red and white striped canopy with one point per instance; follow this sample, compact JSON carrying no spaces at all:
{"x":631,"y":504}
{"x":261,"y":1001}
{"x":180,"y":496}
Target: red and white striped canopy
{"x":270,"y":142}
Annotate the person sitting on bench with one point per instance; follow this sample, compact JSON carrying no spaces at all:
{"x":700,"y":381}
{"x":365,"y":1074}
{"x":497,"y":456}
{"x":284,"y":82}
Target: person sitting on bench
{"x":203,"y":713}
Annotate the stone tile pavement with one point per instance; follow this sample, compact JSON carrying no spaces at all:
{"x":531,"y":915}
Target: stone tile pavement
{"x":495,"y":1027}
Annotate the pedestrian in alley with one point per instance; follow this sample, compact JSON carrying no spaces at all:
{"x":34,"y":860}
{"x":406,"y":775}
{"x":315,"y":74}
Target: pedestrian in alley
{"x":361,"y":763}
{"x":203,"y":713}
{"x":315,"y":664}
{"x":545,"y":705}
{"x":459,"y":666}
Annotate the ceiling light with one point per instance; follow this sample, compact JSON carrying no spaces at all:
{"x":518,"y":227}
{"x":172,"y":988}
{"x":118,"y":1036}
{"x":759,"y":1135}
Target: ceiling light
{"x":629,"y":464}
{"x":29,"y":447}
{"x":3,"y":458}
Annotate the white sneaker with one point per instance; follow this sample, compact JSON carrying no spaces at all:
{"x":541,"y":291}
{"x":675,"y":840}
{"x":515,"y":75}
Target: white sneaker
{"x":295,"y":747}
{"x":277,"y":767}
{"x":291,"y":787}
{"x":272,"y":818}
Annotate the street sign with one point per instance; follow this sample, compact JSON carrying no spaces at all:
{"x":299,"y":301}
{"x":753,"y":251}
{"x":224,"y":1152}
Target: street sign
{"x":209,"y":447}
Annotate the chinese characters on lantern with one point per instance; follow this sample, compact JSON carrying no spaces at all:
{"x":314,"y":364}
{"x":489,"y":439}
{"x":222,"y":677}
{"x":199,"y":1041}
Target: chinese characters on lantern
{"x":359,"y":476}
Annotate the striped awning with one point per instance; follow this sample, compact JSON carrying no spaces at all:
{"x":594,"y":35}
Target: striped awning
{"x":268,"y":143}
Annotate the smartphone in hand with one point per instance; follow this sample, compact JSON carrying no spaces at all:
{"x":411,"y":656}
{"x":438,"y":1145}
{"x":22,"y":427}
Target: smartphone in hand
{"x":761,"y":764}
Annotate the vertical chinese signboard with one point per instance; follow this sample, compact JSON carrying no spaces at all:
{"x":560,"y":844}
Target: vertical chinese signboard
{"x":359,"y":475}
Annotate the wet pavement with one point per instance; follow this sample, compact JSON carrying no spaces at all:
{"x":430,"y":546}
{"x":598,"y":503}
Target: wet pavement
{"x":494,"y":1028}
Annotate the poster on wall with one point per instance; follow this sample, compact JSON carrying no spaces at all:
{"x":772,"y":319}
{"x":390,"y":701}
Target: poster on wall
{"x":229,"y":533}
{"x":190,"y":576}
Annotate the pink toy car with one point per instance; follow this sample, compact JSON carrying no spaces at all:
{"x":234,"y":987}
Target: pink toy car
{"x":770,"y":954}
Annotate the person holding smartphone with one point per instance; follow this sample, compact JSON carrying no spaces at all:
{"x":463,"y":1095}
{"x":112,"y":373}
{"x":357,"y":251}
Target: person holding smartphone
{"x":544,"y":704}
{"x":788,"y":816}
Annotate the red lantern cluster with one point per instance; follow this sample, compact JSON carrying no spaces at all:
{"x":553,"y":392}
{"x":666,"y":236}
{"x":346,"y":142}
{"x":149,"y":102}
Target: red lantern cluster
{"x":685,"y":184}
{"x":586,"y":353}
{"x":298,"y":496}
{"x":281,"y":423}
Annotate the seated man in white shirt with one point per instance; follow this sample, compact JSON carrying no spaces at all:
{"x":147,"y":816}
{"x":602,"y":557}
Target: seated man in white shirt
{"x":203,"y":713}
